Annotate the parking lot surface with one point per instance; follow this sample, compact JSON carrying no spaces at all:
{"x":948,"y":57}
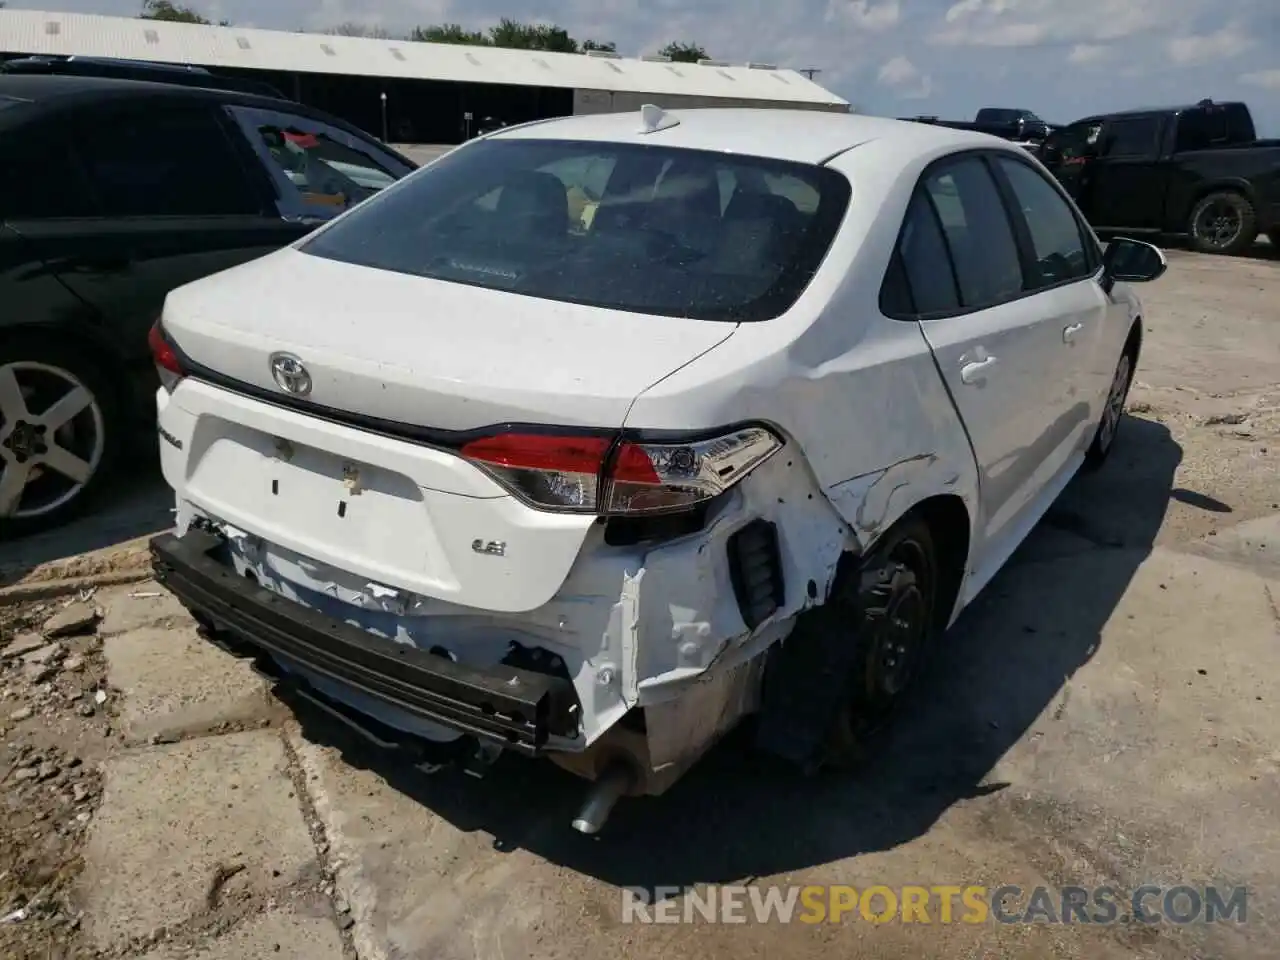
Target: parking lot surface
{"x":1103,"y":715}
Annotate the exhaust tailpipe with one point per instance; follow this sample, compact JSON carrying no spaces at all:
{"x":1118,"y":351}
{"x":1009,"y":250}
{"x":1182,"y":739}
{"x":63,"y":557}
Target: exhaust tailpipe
{"x":604,"y":794}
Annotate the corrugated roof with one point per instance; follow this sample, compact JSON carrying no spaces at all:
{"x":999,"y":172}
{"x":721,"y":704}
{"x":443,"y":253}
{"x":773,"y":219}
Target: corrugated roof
{"x":62,"y":34}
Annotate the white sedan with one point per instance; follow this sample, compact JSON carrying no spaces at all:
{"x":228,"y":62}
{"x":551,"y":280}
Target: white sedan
{"x":482,"y":466}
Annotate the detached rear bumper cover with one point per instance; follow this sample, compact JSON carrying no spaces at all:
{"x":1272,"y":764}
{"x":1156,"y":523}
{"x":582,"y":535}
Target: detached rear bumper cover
{"x":518,"y":709}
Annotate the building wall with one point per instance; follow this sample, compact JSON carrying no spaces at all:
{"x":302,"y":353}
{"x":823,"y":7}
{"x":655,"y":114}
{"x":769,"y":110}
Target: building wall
{"x":605,"y":101}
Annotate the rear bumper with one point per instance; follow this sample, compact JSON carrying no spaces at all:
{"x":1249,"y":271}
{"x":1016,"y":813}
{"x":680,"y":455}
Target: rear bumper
{"x":517,"y":709}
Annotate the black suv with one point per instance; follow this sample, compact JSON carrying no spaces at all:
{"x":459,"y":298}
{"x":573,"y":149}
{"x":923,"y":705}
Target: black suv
{"x":112,"y":193}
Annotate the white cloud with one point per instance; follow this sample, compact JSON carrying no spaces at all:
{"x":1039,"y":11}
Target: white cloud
{"x":1087,"y":53}
{"x":1267,"y":79}
{"x":1230,"y":41}
{"x":866,"y":15}
{"x":905,"y":79}
{"x":1027,"y":23}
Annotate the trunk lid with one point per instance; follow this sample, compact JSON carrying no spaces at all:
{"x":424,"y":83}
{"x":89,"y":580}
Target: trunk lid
{"x":426,"y":352}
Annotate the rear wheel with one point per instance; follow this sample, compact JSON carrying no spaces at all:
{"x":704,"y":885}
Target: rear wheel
{"x":59,"y":433}
{"x":1223,"y":222}
{"x":891,"y":605}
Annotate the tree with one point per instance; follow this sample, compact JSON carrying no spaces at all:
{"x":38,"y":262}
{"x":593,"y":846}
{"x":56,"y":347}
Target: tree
{"x":174,"y":13}
{"x":353,"y":29}
{"x":449,"y":33}
{"x":683,"y":52}
{"x":522,"y":36}
{"x":512,"y":35}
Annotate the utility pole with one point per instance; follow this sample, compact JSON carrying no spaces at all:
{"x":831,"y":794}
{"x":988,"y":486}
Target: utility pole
{"x":809,"y":71}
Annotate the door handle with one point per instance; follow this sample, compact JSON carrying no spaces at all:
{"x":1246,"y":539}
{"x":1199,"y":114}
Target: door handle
{"x":971,"y":372}
{"x":1069,"y":333}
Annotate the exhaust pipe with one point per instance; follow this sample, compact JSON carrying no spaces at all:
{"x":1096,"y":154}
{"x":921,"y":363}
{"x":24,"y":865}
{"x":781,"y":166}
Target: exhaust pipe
{"x":604,"y":794}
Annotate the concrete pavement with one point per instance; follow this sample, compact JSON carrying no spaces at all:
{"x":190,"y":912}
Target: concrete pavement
{"x":1104,"y":715}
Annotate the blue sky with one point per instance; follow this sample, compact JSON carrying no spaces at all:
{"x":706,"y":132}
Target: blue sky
{"x":1060,"y":58}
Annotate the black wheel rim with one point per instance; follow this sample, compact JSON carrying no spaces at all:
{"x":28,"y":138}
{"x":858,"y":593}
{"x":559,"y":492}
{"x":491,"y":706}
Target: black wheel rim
{"x":894,"y":610}
{"x":1219,"y":223}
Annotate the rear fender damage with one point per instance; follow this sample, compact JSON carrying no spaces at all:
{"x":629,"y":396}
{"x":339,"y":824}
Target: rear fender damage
{"x":655,"y":637}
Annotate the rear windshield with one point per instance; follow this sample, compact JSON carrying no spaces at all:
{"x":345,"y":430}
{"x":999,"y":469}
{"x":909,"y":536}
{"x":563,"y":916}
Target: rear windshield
{"x":644,"y":229}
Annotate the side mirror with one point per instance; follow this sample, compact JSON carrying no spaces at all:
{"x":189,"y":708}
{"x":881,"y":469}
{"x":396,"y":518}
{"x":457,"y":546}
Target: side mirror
{"x":1133,"y":261}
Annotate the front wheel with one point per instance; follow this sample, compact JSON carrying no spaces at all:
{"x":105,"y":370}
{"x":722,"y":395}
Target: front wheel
{"x":1104,"y":437}
{"x":1223,"y":222}
{"x":59,"y":434}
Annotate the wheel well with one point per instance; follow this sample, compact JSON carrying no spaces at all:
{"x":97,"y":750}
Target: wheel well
{"x":949,"y":523}
{"x":1133,"y":345}
{"x":102,"y":353}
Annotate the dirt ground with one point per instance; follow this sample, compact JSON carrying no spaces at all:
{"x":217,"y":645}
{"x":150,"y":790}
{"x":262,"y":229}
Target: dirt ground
{"x":1104,"y":714}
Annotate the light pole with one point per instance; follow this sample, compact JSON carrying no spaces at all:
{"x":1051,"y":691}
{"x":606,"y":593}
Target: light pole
{"x":383,"y":97}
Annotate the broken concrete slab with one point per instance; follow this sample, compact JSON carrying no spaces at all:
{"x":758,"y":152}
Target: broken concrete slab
{"x":137,"y":605}
{"x":277,"y":934}
{"x":24,"y":643}
{"x":417,"y":885}
{"x":176,"y":683}
{"x":73,"y":620}
{"x":180,"y":824}
{"x":1254,"y":544}
{"x":47,"y":654}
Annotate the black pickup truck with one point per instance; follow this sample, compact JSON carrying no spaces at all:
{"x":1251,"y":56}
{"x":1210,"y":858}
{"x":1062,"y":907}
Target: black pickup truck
{"x":1009,"y":123}
{"x":1198,"y":171}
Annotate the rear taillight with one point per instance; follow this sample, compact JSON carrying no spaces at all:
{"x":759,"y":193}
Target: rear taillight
{"x":165,"y":357}
{"x":597,"y":473}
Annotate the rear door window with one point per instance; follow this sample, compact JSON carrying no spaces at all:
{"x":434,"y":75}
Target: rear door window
{"x":979,"y":236}
{"x":319,"y":170}
{"x":642,"y":228}
{"x":926,"y":262}
{"x":40,"y":178}
{"x":163,"y":159}
{"x":1135,"y":137}
{"x":1056,"y":238}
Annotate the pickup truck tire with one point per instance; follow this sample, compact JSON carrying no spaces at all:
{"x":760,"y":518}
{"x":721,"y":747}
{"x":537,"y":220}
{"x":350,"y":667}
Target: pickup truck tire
{"x":1223,"y":222}
{"x":891,"y":600}
{"x":54,"y":468}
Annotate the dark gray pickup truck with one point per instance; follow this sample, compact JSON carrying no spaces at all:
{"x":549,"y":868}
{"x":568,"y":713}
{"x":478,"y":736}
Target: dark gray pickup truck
{"x":1198,"y":171}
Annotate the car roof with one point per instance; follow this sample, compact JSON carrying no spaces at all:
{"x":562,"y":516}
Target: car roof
{"x":1142,"y":112}
{"x":801,"y":136}
{"x":52,"y":90}
{"x":44,"y":88}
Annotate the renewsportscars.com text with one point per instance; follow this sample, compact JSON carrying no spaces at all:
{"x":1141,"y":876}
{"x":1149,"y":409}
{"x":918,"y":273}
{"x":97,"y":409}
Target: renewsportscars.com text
{"x":971,"y":904}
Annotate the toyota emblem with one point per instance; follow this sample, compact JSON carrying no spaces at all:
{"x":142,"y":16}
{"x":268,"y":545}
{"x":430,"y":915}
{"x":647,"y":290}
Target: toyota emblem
{"x":290,"y":375}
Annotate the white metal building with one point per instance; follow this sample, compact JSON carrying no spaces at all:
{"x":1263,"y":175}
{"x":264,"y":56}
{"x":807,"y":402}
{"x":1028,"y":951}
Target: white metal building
{"x":429,"y":87}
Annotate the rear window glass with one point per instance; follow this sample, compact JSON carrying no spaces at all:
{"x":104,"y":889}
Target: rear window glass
{"x":623,"y":226}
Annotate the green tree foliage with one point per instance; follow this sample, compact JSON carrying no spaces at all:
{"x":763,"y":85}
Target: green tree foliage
{"x":684,"y":52}
{"x":512,"y":35}
{"x":175,"y":13}
{"x":449,"y":33}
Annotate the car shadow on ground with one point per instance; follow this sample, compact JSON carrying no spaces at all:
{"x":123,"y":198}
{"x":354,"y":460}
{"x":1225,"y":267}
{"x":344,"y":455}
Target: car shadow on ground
{"x":735,"y":817}
{"x":137,"y":504}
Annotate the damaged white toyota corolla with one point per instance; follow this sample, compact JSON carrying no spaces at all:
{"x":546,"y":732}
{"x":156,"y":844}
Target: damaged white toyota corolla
{"x":599,"y":434}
